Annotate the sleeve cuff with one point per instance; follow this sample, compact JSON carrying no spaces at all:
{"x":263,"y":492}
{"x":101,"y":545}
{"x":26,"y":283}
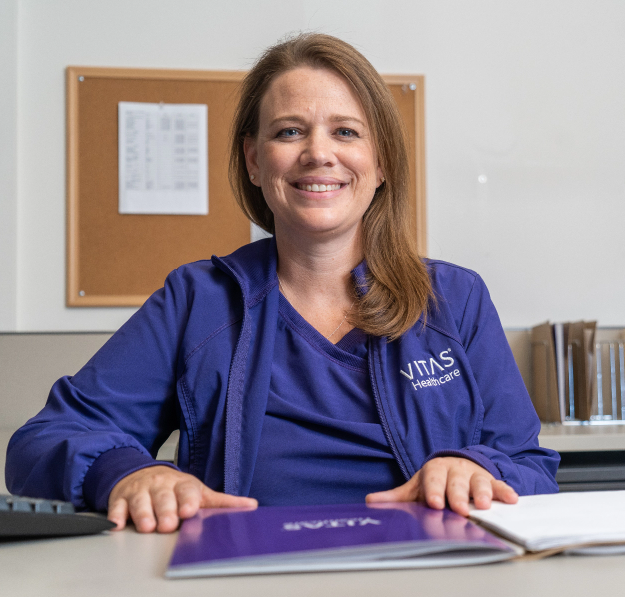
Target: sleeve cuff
{"x":472,"y":455}
{"x":108,"y":469}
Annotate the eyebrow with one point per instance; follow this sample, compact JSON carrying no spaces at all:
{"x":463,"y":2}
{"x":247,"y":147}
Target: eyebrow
{"x":340,"y":118}
{"x":334,"y":118}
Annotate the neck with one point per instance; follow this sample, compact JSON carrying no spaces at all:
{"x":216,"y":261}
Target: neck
{"x":322,"y":267}
{"x":316,"y":279}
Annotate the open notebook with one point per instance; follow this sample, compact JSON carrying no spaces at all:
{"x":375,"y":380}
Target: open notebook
{"x":324,"y":538}
{"x":583,"y":522}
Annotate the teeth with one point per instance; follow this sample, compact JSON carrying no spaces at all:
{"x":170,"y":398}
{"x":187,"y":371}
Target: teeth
{"x":319,"y":188}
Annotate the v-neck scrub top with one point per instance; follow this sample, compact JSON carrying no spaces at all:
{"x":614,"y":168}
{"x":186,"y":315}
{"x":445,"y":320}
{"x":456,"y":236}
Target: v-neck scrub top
{"x":320,"y":411}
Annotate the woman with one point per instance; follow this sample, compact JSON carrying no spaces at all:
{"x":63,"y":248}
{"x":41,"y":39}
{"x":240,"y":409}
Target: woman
{"x":328,"y":364}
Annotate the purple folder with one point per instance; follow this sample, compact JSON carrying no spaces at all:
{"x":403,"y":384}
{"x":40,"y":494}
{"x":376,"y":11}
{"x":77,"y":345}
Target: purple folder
{"x":220,"y":542}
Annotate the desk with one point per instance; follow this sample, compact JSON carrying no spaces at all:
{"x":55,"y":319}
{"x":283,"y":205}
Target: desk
{"x":128,"y":564}
{"x":582,"y":438}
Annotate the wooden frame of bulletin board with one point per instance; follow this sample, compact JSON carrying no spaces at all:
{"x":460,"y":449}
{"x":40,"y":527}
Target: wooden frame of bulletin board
{"x":119,"y":260}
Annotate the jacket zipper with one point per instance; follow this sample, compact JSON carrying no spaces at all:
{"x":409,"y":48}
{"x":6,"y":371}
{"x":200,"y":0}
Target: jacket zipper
{"x":383,"y":420}
{"x":232,"y":454}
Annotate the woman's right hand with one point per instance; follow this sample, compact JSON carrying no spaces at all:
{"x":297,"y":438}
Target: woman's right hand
{"x":158,"y":497}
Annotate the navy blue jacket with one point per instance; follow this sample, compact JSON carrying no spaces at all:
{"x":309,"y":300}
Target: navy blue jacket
{"x":197,"y":356}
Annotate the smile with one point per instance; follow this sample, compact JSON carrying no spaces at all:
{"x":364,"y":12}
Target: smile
{"x":318,"y":188}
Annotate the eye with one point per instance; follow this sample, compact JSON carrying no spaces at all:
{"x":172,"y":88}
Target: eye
{"x":347,"y":133}
{"x":290,"y":132}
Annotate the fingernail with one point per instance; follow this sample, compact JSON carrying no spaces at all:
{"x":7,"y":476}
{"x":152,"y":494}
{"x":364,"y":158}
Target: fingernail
{"x":144,"y":523}
{"x":380,"y":495}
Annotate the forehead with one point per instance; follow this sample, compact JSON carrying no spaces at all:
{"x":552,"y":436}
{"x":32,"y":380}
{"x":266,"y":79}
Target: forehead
{"x":310,"y":90}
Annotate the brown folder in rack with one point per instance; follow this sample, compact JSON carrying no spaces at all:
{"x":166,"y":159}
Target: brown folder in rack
{"x":545,"y":394}
{"x":581,"y":350}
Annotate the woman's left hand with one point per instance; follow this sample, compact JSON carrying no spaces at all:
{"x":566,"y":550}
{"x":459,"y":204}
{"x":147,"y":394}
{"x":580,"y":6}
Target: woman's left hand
{"x":456,"y":479}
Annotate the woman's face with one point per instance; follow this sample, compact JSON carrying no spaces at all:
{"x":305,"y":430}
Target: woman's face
{"x":313,"y":156}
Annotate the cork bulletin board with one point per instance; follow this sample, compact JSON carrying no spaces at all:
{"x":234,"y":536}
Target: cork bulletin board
{"x":119,"y":260}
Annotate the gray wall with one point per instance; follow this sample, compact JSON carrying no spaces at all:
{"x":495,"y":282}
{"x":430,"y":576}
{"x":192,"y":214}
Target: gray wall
{"x":524,"y":95}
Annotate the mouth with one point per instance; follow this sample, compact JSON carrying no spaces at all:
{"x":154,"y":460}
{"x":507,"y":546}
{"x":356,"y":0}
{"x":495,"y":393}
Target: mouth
{"x":318,"y":188}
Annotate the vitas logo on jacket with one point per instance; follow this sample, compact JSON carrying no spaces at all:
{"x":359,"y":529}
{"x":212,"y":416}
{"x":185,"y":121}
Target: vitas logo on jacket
{"x":431,"y":371}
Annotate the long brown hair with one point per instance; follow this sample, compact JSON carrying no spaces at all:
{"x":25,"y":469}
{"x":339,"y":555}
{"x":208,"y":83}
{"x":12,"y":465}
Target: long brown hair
{"x":399,"y":287}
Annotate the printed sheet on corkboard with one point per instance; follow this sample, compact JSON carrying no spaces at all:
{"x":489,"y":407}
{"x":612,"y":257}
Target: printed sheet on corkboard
{"x":118,"y":259}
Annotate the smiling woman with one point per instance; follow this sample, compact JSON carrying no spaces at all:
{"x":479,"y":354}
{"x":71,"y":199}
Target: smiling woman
{"x":354,"y":117}
{"x":314,"y":160}
{"x":328,"y":364}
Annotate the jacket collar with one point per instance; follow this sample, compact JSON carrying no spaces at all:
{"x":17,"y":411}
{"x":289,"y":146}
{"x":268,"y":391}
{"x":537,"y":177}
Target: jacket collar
{"x":254,"y":267}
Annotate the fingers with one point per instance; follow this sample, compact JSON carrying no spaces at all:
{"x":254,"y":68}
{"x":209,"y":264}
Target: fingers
{"x":434,"y":481}
{"x":504,"y":493}
{"x":189,"y":498}
{"x":164,"y":502}
{"x":464,"y":482}
{"x":481,"y":488}
{"x":156,"y":498}
{"x":458,"y":491}
{"x":457,"y":479}
{"x":408,"y":492}
{"x":141,"y":512}
{"x":452,"y":480}
{"x":118,"y":513}
{"x":169,"y":505}
{"x":215,"y":499}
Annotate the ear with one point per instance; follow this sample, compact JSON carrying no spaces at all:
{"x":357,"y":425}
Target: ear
{"x":380,"y":176}
{"x":251,"y":159}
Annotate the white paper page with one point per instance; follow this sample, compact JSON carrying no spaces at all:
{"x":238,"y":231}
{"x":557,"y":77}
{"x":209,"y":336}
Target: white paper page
{"x":555,"y":520}
{"x":163,"y":158}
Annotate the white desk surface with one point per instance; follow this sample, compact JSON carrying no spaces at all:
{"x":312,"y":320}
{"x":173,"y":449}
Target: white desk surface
{"x":129,"y":564}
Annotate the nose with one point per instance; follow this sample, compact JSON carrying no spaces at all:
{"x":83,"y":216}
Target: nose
{"x":318,"y":150}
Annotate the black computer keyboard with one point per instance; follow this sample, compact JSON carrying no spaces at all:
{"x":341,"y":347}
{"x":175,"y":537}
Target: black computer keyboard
{"x":22,"y":518}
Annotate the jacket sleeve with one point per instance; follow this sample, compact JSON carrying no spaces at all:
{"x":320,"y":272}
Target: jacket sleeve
{"x":110,"y":418}
{"x":508,"y":445}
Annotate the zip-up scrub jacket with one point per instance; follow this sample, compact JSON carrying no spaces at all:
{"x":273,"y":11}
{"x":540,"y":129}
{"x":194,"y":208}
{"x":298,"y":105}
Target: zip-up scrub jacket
{"x":198,"y":356}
